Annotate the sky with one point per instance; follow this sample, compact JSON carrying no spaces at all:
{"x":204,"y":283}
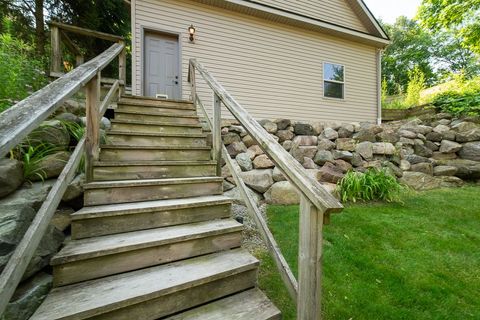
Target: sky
{"x":389,"y":10}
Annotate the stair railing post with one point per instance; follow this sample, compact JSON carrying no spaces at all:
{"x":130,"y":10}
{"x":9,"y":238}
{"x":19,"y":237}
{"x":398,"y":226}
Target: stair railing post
{"x":122,"y":68}
{"x":310,"y":261}
{"x":217,"y":133}
{"x":92,"y":91}
{"x":56,"y":53}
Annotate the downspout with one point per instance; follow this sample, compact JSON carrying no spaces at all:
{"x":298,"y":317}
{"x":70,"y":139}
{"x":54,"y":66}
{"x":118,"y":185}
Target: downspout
{"x":379,"y":86}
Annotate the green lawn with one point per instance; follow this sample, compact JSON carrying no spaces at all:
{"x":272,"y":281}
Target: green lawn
{"x":417,"y":260}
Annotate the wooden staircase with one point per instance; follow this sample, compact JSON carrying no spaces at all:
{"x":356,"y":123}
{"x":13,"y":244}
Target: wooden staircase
{"x":155,"y":239}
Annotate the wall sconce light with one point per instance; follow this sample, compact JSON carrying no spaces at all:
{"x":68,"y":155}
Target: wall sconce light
{"x":191,"y":31}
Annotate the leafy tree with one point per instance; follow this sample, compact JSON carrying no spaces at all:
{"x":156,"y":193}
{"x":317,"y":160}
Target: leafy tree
{"x":459,"y":16}
{"x":415,"y":85}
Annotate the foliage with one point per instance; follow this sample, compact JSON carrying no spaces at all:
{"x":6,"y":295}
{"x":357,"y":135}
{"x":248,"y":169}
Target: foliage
{"x":416,"y":260}
{"x":374,"y":184}
{"x":21,"y":73}
{"x":32,"y":154}
{"x":416,"y":84}
{"x":460,"y":16}
{"x":75,"y":130}
{"x":458,"y":103}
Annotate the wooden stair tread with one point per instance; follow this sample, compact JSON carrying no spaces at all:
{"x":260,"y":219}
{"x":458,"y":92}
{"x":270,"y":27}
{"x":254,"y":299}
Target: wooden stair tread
{"x":156,"y":123}
{"x":160,"y":104}
{"x":135,"y":133}
{"x":153,"y":163}
{"x":148,"y":182}
{"x":157,"y":113}
{"x":170,"y":147}
{"x":90,"y":298}
{"x":247,"y":305}
{"x":143,"y":98}
{"x":99,"y":246}
{"x":145,"y":206}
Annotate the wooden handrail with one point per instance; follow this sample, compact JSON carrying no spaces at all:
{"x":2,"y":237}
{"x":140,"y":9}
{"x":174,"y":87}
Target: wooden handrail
{"x":315,"y":206}
{"x":19,"y":120}
{"x":87,"y":32}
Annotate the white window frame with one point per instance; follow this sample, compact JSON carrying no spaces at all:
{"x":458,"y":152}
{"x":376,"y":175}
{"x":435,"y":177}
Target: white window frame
{"x":334,"y":81}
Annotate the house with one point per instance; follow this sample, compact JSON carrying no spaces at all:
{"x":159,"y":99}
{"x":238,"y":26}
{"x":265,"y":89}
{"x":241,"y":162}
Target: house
{"x":300,"y":59}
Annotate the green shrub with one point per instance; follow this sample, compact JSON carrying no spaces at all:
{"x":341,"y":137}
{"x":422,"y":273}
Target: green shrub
{"x":31,"y":155}
{"x":458,"y":103}
{"x":374,"y":184}
{"x":416,"y":84}
{"x":21,"y":72}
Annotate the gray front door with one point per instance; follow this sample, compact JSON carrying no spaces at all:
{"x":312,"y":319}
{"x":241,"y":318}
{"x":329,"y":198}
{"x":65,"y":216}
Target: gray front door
{"x":161,"y":66}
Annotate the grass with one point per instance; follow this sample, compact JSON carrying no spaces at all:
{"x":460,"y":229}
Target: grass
{"x":416,"y":260}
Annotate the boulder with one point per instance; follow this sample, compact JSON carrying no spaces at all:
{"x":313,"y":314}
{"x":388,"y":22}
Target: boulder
{"x":244,"y":161}
{"x":468,"y":136}
{"x":393,"y":169}
{"x":414,"y":159}
{"x":62,"y":218}
{"x":343,"y":165}
{"x":329,"y":134}
{"x":422,"y":181}
{"x":357,"y":160}
{"x":388,"y":136}
{"x":237,"y":198}
{"x":227,"y":186}
{"x":449,"y":135}
{"x":432,"y":145}
{"x":444,"y":156}
{"x":258,"y":180}
{"x":283,"y":124}
{"x":27,"y":297}
{"x":235,"y":148}
{"x":441,"y":129}
{"x":51,"y":132}
{"x":449,"y":146}
{"x":75,"y":188}
{"x":262,"y":162}
{"x":269,"y":126}
{"x":278,"y":175}
{"x":323,"y":156}
{"x":284,"y":135}
{"x":346,"y":131}
{"x":300,"y":152}
{"x":434,"y":136}
{"x":376,"y":164}
{"x":407,"y":141}
{"x":470,"y":151}
{"x":365,"y":135}
{"x":52,"y":165}
{"x":11,"y":176}
{"x":305,"y":140}
{"x":330,"y":173}
{"x":444,"y":171}
{"x":309,"y":164}
{"x":407,"y":134}
{"x":287,"y":145}
{"x":254,"y":151}
{"x":423,"y":167}
{"x":248,"y":141}
{"x":417,"y":128}
{"x":303,"y":129}
{"x":75,"y":107}
{"x":32,"y":194}
{"x":344,"y":155}
{"x":405,"y":165}
{"x":325,"y":144}
{"x":68,"y":117}
{"x":346,"y":144}
{"x":464,"y":126}
{"x":422,"y":151}
{"x":383,"y":148}
{"x":238,"y":129}
{"x":105,"y":124}
{"x":466,"y":169}
{"x":365,"y":149}
{"x":317,"y":127}
{"x":283,"y":193}
{"x":230,"y":138}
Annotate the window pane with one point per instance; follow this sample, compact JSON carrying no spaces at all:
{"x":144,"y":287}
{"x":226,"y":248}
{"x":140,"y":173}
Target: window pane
{"x":333,"y":90}
{"x":333,"y":72}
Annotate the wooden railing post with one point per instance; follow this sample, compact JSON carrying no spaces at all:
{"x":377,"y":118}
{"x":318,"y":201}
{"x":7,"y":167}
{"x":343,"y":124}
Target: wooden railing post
{"x":217,"y":133}
{"x":93,"y":125}
{"x":122,"y":68}
{"x":193,"y":85}
{"x":310,"y":262}
{"x":56,"y":55}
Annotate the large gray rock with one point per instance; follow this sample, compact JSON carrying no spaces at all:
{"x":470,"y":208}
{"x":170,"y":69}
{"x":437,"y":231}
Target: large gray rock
{"x":357,"y":160}
{"x":52,"y":165}
{"x":468,"y":136}
{"x":414,"y":159}
{"x":407,"y":134}
{"x":237,"y":198}
{"x":329,"y":134}
{"x":343,"y":165}
{"x":235,"y":148}
{"x":464,"y":126}
{"x":278,"y":175}
{"x":323,"y":156}
{"x":68,"y":117}
{"x":346,"y":131}
{"x":284,"y":135}
{"x":258,"y":180}
{"x":303,"y":129}
{"x":269,"y":126}
{"x":383,"y":148}
{"x":51,"y":132}
{"x":470,"y":151}
{"x":230,"y":138}
{"x":422,"y":181}
{"x":466,"y":169}
{"x":325,"y":144}
{"x":422,"y":151}
{"x":444,"y":156}
{"x":248,"y":141}
{"x":75,"y":188}
{"x":62,"y":218}
{"x":308,"y":163}
{"x":346,"y":144}
{"x":434,"y":136}
{"x":441,"y":129}
{"x":283,"y":124}
{"x":11,"y":176}
{"x":263,"y":162}
{"x":445,"y":171}
{"x":417,"y":128}
{"x":394,"y":170}
{"x":244,"y":161}
{"x":344,"y":155}
{"x":365,"y":149}
{"x":254,"y":151}
{"x":32,"y":194}
{"x":449,"y":146}
{"x":330,"y":173}
{"x":423,"y":167}
{"x":388,"y":135}
{"x":305,"y":140}
{"x":300,"y":152}
{"x":283,"y":193}
{"x":28,"y":297}
{"x":365,"y":135}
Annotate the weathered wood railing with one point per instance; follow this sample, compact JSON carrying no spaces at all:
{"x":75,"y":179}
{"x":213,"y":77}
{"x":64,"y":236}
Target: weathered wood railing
{"x":316,"y":203}
{"x":18,"y":121}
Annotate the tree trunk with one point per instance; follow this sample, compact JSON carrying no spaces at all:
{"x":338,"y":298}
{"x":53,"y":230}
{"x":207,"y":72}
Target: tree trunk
{"x":40,"y":38}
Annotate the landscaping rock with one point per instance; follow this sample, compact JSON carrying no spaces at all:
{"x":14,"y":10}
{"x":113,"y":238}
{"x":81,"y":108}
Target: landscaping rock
{"x":464,"y":126}
{"x":62,"y":218}
{"x":317,"y":127}
{"x":238,"y":129}
{"x":284,"y":135}
{"x":344,"y":155}
{"x":68,"y":117}
{"x":329,"y":134}
{"x":432,"y":145}
{"x":258,"y":180}
{"x":254,"y":151}
{"x":51,"y":132}
{"x":237,"y":198}
{"x":31,"y":194}
{"x":357,"y":160}
{"x":468,"y":136}
{"x":309,"y":164}
{"x":394,"y":170}
{"x":422,"y":181}
{"x":449,"y":146}
{"x":365,"y":149}
{"x":466,"y":169}
{"x":105,"y":124}
{"x":269,"y":126}
{"x":405,"y":165}
{"x":423,"y":167}
{"x":417,"y":128}
{"x":407,"y":134}
{"x":74,"y":189}
{"x":305,"y":140}
{"x":262,"y":162}
{"x":227,"y":186}
{"x":444,"y":156}
{"x":330,"y":173}
{"x":434,"y":136}
{"x":283,"y":193}
{"x":346,"y":131}
{"x":365,"y":135}
{"x":325,"y":144}
{"x":300,"y":152}
{"x":323,"y":156}
{"x":470,"y":151}
{"x":346,"y":144}
{"x":441,"y":129}
{"x":303,"y":129}
{"x":277,"y":175}
{"x":414,"y":159}
{"x":287,"y":145}
{"x":343,"y":165}
{"x":450,"y":135}
{"x":244,"y":161}
{"x":422,"y":151}
{"x":384,"y":148}
{"x":283,"y":124}
{"x":444,"y":171}
{"x":11,"y":176}
{"x":248,"y":141}
{"x":230,"y":138}
{"x":388,"y":136}
{"x":235,"y":148}
{"x":52,"y":165}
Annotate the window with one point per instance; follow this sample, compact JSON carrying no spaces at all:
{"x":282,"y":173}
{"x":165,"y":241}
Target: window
{"x":333,"y":80}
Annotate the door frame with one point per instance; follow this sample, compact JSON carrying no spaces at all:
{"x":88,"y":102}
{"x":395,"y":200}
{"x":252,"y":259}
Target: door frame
{"x":143,"y":31}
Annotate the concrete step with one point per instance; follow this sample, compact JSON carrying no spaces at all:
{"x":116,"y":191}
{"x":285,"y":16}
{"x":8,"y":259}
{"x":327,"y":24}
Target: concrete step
{"x":248,"y":305}
{"x":153,"y":292}
{"x":130,"y":170}
{"x":114,"y":152}
{"x":160,"y":118}
{"x":154,"y":127}
{"x":123,"y":191}
{"x":97,"y":257}
{"x":156,"y":139}
{"x":117,"y":218}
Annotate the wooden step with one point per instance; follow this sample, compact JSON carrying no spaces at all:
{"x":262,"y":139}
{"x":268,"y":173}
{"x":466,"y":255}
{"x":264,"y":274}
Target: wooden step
{"x":111,"y":219}
{"x":247,"y":305}
{"x":122,"y":191}
{"x":130,"y":170}
{"x":153,"y":102}
{"x":157,"y":108}
{"x":156,"y":139}
{"x":97,"y":257}
{"x":165,"y":118}
{"x":112,"y":152}
{"x":154,"y":127}
{"x":153,"y":292}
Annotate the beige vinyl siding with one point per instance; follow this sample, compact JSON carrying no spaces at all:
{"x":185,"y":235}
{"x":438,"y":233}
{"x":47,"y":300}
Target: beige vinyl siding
{"x":338,"y":12}
{"x":273,"y":70}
